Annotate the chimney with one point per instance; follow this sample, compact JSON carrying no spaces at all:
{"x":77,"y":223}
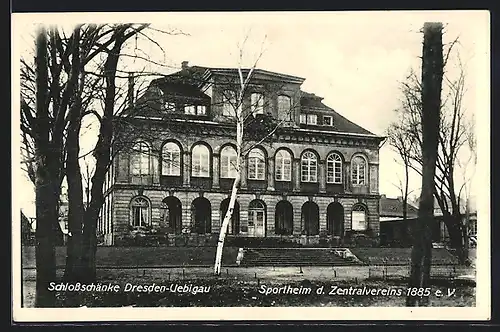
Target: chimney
{"x":130,"y":92}
{"x":184,"y":64}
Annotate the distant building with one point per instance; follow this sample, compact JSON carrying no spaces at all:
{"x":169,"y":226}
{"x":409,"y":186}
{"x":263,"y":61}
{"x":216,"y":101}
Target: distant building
{"x":395,"y":231}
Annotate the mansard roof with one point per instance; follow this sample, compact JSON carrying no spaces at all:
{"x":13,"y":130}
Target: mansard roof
{"x":340,"y":123}
{"x":187,"y":83}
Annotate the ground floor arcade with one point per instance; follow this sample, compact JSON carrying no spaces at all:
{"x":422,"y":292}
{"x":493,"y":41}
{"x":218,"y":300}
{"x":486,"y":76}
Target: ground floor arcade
{"x":254,"y":215}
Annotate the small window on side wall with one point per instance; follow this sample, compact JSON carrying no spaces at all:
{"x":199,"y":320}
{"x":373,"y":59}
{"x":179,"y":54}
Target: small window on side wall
{"x":328,"y":120}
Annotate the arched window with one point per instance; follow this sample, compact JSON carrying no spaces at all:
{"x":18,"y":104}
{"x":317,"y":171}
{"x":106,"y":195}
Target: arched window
{"x":333,"y":168}
{"x":229,"y":103}
{"x":257,"y":103}
{"x":284,"y":108}
{"x":200,"y":161}
{"x":228,"y":162}
{"x":139,"y":211}
{"x":171,"y":159}
{"x":359,"y":221}
{"x":139,"y":159}
{"x":256,"y":164}
{"x":257,"y":218}
{"x":283,"y":166}
{"x":309,"y":167}
{"x":358,"y":170}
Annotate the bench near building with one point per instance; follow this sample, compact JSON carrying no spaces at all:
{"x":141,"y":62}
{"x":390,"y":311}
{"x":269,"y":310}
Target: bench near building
{"x":315,"y":183}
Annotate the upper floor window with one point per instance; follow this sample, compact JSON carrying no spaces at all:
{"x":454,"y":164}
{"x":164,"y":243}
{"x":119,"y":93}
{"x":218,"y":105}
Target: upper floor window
{"x":195,"y":109}
{"x":170,"y":106}
{"x":190,"y":109}
{"x":311,"y":119}
{"x":256,"y":164}
{"x":303,"y":119}
{"x":358,"y":170}
{"x":257,"y":103}
{"x":139,"y":159}
{"x":228,"y":162}
{"x":284,"y":108}
{"x":333,"y":168}
{"x":309,"y":167}
{"x":328,"y":120}
{"x":359,"y":220}
{"x":283,"y":166}
{"x":171,"y":159}
{"x":201,"y":110}
{"x":200,"y":160}
{"x":140,"y":211}
{"x":229,"y":103}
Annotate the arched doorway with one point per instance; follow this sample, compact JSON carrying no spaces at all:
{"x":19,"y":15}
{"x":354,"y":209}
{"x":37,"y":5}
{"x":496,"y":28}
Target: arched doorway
{"x":234,"y":225}
{"x":201,"y":214}
{"x":172,"y":214}
{"x":335,"y":219}
{"x":283,"y":218}
{"x":257,"y":218}
{"x":310,"y":218}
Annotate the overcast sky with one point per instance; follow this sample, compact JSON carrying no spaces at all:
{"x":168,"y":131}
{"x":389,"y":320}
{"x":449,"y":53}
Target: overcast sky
{"x":355,"y":60}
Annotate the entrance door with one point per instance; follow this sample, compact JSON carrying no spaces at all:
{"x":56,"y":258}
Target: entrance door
{"x":257,"y":219}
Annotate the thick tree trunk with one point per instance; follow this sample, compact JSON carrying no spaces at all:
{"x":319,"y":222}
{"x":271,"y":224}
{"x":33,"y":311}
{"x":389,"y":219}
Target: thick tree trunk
{"x":453,"y":224}
{"x":46,"y":230}
{"x":45,"y":182}
{"x":75,"y":188}
{"x":432,"y":75}
{"x":102,"y":154}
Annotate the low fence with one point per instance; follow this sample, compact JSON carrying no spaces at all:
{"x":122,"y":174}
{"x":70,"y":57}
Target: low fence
{"x":387,"y":271}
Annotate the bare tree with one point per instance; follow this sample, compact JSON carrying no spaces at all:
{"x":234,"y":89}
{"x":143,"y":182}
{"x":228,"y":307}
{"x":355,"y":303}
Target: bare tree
{"x":252,"y":129}
{"x":403,"y":145}
{"x":432,"y":76}
{"x":56,"y":93}
{"x":456,"y":138}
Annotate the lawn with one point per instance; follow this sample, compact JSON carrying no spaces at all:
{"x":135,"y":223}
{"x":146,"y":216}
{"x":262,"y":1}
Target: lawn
{"x":145,"y":256}
{"x":229,"y":291}
{"x":400,"y":256}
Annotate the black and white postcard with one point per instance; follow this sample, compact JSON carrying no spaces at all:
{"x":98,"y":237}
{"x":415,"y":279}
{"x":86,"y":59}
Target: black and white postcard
{"x":251,"y":166}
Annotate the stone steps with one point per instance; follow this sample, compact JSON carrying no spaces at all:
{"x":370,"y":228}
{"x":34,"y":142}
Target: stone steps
{"x":293,"y":257}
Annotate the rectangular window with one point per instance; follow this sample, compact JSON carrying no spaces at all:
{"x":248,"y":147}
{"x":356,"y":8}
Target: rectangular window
{"x":312,"y":119}
{"x":169,"y":106}
{"x":229,"y":103}
{"x":303,"y":118}
{"x":190,"y":109}
{"x":201,"y":110}
{"x":257,"y":103}
{"x":284,"y":108}
{"x":328,"y":120}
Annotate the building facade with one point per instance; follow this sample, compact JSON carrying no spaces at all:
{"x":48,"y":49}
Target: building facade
{"x":313,"y":180}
